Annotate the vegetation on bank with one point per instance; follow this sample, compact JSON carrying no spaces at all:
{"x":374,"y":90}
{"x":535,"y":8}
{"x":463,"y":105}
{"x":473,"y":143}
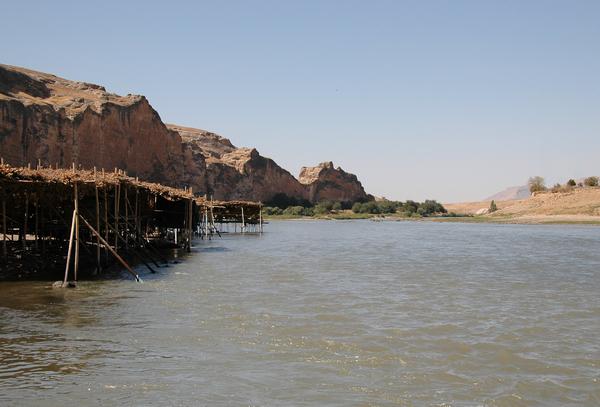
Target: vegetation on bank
{"x":538,"y":184}
{"x":354,"y":210}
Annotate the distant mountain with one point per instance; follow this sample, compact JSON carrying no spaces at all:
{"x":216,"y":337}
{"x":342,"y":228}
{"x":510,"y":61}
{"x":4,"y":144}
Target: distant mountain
{"x":511,"y":194}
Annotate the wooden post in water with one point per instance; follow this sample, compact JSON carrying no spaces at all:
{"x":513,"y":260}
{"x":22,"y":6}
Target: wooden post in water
{"x":105,"y":217}
{"x":37,"y":222}
{"x":212,"y":217}
{"x":190,"y":220}
{"x":117,"y":202}
{"x":64,"y":284}
{"x":97,"y":223}
{"x":5,"y":237}
{"x":260,"y":220}
{"x":76,"y":266}
{"x":243,"y":221}
{"x":25,"y":221}
{"x":137,"y":219}
{"x":126,"y":218}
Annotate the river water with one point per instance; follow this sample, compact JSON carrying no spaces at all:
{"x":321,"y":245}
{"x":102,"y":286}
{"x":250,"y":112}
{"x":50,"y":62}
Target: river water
{"x":323,"y":313}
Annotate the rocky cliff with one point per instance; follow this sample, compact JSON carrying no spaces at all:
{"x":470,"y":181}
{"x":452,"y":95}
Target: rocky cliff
{"x":325,"y":182}
{"x":238,"y":173}
{"x":60,"y":122}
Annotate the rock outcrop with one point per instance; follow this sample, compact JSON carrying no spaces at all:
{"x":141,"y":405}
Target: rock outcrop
{"x":59,"y":122}
{"x":325,"y":182}
{"x":238,"y":173}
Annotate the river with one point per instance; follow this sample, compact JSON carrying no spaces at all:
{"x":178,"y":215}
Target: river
{"x":322,"y":313}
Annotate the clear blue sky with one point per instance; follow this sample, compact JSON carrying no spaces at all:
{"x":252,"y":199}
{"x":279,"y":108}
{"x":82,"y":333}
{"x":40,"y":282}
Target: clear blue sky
{"x":450,"y":100}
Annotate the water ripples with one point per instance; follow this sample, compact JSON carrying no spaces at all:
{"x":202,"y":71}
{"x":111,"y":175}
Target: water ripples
{"x":324,"y":313}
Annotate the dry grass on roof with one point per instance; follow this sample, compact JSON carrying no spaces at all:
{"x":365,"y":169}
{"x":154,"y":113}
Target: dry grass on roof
{"x":69,"y":176}
{"x":236,"y":203}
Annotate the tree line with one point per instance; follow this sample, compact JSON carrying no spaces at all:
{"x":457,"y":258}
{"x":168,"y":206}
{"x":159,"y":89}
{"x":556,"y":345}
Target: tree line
{"x":282,"y":204}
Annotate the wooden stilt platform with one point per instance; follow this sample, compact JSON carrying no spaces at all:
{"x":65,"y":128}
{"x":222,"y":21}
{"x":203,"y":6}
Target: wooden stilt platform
{"x":64,"y":219}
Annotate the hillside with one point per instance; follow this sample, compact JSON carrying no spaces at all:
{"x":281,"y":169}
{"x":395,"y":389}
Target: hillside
{"x":580,"y":204}
{"x":57,"y":122}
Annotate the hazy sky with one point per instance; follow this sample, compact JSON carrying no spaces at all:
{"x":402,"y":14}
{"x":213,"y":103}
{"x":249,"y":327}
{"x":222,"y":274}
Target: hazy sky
{"x":450,"y":100}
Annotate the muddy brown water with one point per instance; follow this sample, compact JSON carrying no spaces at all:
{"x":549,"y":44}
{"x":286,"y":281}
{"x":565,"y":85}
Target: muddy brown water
{"x":321,"y":313}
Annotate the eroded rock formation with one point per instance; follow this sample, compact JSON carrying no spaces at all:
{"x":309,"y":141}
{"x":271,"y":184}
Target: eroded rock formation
{"x":60,"y":122}
{"x":325,"y":182}
{"x":238,"y":173}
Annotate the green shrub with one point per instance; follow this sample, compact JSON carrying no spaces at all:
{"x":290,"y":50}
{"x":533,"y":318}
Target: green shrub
{"x":294,"y":211}
{"x":357,"y":207}
{"x":571,"y":182}
{"x":387,"y":206}
{"x":591,"y":182}
{"x":321,"y":209}
{"x":269,"y":210}
{"x":536,"y":184}
{"x":283,"y":201}
{"x":493,"y":207}
{"x":430,"y":207}
{"x":410,"y":206}
{"x":337,"y":206}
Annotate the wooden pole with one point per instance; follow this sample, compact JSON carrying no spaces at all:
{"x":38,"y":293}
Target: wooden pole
{"x":105,"y":216}
{"x":76,"y":267}
{"x":126,"y":218}
{"x":260,"y":219}
{"x":212,"y":218}
{"x":136,"y":214}
{"x":117,"y":202}
{"x":114,"y":253}
{"x":141,"y":257}
{"x":37,"y":222}
{"x":243,"y":221}
{"x":97,"y":225}
{"x":64,"y":284}
{"x":190,"y":220}
{"x":25,"y":221}
{"x":5,"y":237}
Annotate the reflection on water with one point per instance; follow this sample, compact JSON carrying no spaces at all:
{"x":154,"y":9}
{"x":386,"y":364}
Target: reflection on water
{"x":323,"y":313}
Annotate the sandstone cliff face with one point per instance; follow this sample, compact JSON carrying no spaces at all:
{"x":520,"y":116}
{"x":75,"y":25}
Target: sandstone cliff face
{"x":43,"y":117}
{"x":325,"y":182}
{"x":238,"y":173}
{"x":60,"y":122}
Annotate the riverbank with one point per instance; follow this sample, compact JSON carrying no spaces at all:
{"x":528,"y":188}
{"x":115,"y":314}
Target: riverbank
{"x":504,"y":219}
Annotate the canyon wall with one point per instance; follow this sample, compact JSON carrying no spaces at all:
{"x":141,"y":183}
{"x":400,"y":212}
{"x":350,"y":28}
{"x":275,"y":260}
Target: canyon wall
{"x":47,"y":119}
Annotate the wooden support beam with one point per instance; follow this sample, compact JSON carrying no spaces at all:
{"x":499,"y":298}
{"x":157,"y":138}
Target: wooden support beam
{"x":140,"y":256}
{"x":114,"y":253}
{"x":76,"y":201}
{"x":73,"y":221}
{"x":117,"y":204}
{"x":260,"y":219}
{"x":126,"y":230}
{"x":5,"y":237}
{"x":37,"y":222}
{"x":105,"y":215}
{"x":98,"y":268}
{"x":25,"y":220}
{"x":137,"y":218}
{"x":243,"y":221}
